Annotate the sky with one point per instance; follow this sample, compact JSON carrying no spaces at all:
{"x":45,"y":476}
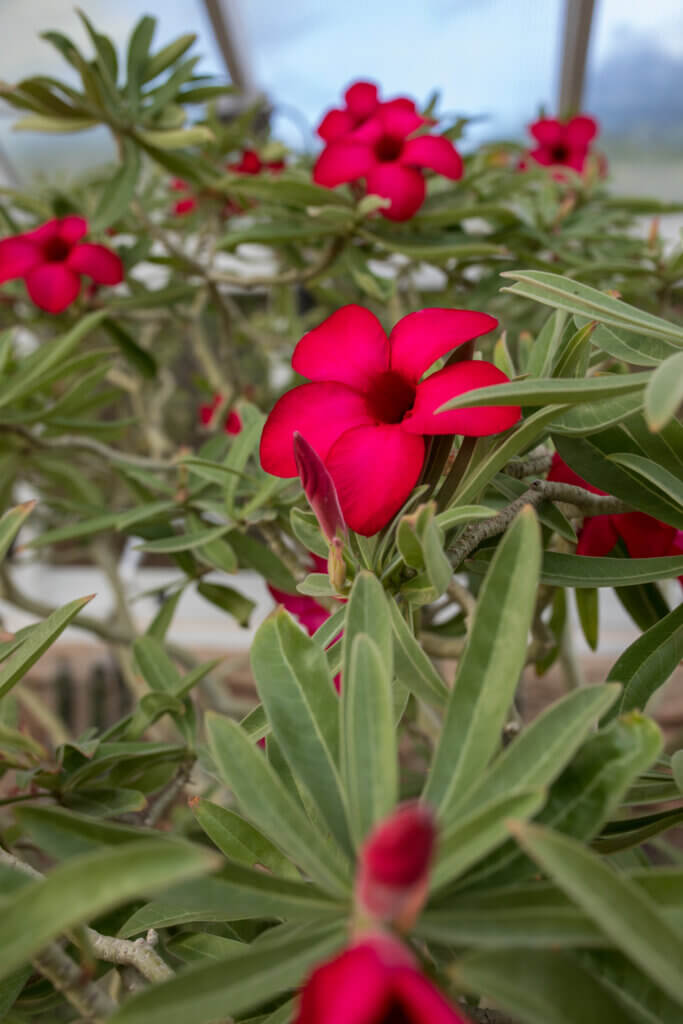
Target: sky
{"x":496,"y":58}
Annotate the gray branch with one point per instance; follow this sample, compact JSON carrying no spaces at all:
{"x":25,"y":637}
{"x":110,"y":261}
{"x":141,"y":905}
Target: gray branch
{"x":539,"y":491}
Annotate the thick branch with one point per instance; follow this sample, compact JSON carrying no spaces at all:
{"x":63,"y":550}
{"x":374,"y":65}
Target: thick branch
{"x":92,"y":1002}
{"x":535,"y":464}
{"x":538,"y":492}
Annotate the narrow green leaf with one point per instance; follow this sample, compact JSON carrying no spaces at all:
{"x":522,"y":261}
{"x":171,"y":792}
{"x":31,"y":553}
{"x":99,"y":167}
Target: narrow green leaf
{"x":618,"y":907}
{"x":413,"y":667}
{"x":664,"y":393}
{"x":658,"y":475}
{"x":261,"y":793}
{"x":239,"y":840}
{"x":37,"y":642}
{"x":540,"y":987}
{"x":473,"y":835}
{"x":11,"y":523}
{"x":542,"y":750}
{"x":229,"y":600}
{"x":369,"y":746}
{"x":555,"y":390}
{"x":578,"y":571}
{"x":86,"y":886}
{"x":648,"y":662}
{"x":298,"y":695}
{"x":489,"y":669}
{"x":588,"y":608}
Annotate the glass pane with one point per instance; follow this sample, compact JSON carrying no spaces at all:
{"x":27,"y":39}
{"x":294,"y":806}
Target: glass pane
{"x":635,"y":89}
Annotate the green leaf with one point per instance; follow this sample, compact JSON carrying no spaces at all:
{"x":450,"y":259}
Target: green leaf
{"x":640,"y":351}
{"x":489,"y":669}
{"x":542,"y":356}
{"x":178,"y":138}
{"x":271,"y":808}
{"x":37,"y":641}
{"x":589,"y":418}
{"x":118,"y":193}
{"x":229,"y":600}
{"x":588,"y":608}
{"x":648,"y":662}
{"x":241,"y":449}
{"x":254,"y":554}
{"x":154,"y":664}
{"x":413,"y":667}
{"x":11,"y":523}
{"x":658,"y":475}
{"x":239,"y":840}
{"x":86,"y":886}
{"x":53,"y":125}
{"x":212,"y":991}
{"x":539,"y":987}
{"x":185,"y":541}
{"x":50,"y":355}
{"x":541,"y":751}
{"x":295,"y":686}
{"x":562,"y":293}
{"x":307,"y":532}
{"x":664,"y":393}
{"x":578,"y":571}
{"x":137,"y":57}
{"x":617,"y":906}
{"x":275,"y":232}
{"x":369,"y":746}
{"x":556,"y":390}
{"x":471,"y":836}
{"x":65,"y":833}
{"x":168,"y":55}
{"x":135,"y":354}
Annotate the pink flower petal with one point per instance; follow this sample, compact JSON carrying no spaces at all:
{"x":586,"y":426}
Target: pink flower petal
{"x":17,"y":257}
{"x":542,"y":155}
{"x":644,"y":536}
{"x":354,"y":988}
{"x":398,"y":118}
{"x":98,"y":262}
{"x":334,"y":124}
{"x":342,"y":161}
{"x":53,"y":286}
{"x":421,"y":1001}
{"x":421,"y":338}
{"x":563,"y":474}
{"x":435,"y":152}
{"x":321,"y":412}
{"x":548,"y":131}
{"x":184,"y":206}
{"x":598,"y":537}
{"x":309,"y":613}
{"x":374,"y":469}
{"x":581,"y":131}
{"x":45,"y":233}
{"x":361,"y":100}
{"x":350,"y":346}
{"x":475,"y":421}
{"x":233,"y":423}
{"x":72,"y":229}
{"x":404,"y":186}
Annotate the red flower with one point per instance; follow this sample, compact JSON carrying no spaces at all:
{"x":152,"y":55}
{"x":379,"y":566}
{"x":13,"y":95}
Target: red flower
{"x":186,"y":205}
{"x":378,"y":146}
{"x":393,"y":868}
{"x":564,"y":143}
{"x":367,"y":411}
{"x":374,"y":982}
{"x":362,"y":102}
{"x":643,"y":535}
{"x":52,"y":259}
{"x":232,"y":424}
{"x":251,"y":163}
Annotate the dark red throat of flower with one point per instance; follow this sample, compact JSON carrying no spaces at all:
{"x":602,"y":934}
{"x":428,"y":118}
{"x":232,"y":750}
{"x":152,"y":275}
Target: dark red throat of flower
{"x":559,"y":154}
{"x":388,"y":148}
{"x":396,"y":1015}
{"x":56,"y":250}
{"x":390,"y":397}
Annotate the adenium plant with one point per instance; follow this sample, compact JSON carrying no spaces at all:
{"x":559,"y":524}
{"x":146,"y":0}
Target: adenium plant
{"x":426,"y":471}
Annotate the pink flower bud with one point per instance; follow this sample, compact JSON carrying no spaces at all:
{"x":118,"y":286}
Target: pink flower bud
{"x":393,"y":871}
{"x":319,"y":488}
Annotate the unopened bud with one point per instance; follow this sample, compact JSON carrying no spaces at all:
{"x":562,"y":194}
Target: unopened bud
{"x":319,"y":488}
{"x":393,"y":871}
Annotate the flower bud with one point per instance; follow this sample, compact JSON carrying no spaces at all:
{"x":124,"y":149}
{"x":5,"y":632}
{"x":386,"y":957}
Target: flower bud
{"x":393,"y":871}
{"x":319,"y":488}
{"x":336,"y":566}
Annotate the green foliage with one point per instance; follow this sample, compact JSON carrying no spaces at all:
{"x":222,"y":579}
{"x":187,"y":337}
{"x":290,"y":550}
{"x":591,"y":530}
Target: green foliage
{"x":556,"y":890}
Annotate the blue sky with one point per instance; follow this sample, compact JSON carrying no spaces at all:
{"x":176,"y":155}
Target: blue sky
{"x":497,"y":58}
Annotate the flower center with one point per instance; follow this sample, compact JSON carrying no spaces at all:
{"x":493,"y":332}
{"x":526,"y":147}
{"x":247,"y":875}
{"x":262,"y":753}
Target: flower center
{"x":388,"y":148}
{"x":390,"y":396}
{"x":559,"y":153}
{"x":396,"y":1015}
{"x":56,"y":250}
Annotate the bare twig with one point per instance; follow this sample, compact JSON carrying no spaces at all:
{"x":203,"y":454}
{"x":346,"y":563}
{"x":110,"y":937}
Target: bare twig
{"x":535,"y":464}
{"x":296,"y":275}
{"x":90,"y":445}
{"x":92,"y":1002}
{"x":539,"y":491}
{"x":166,"y":798}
